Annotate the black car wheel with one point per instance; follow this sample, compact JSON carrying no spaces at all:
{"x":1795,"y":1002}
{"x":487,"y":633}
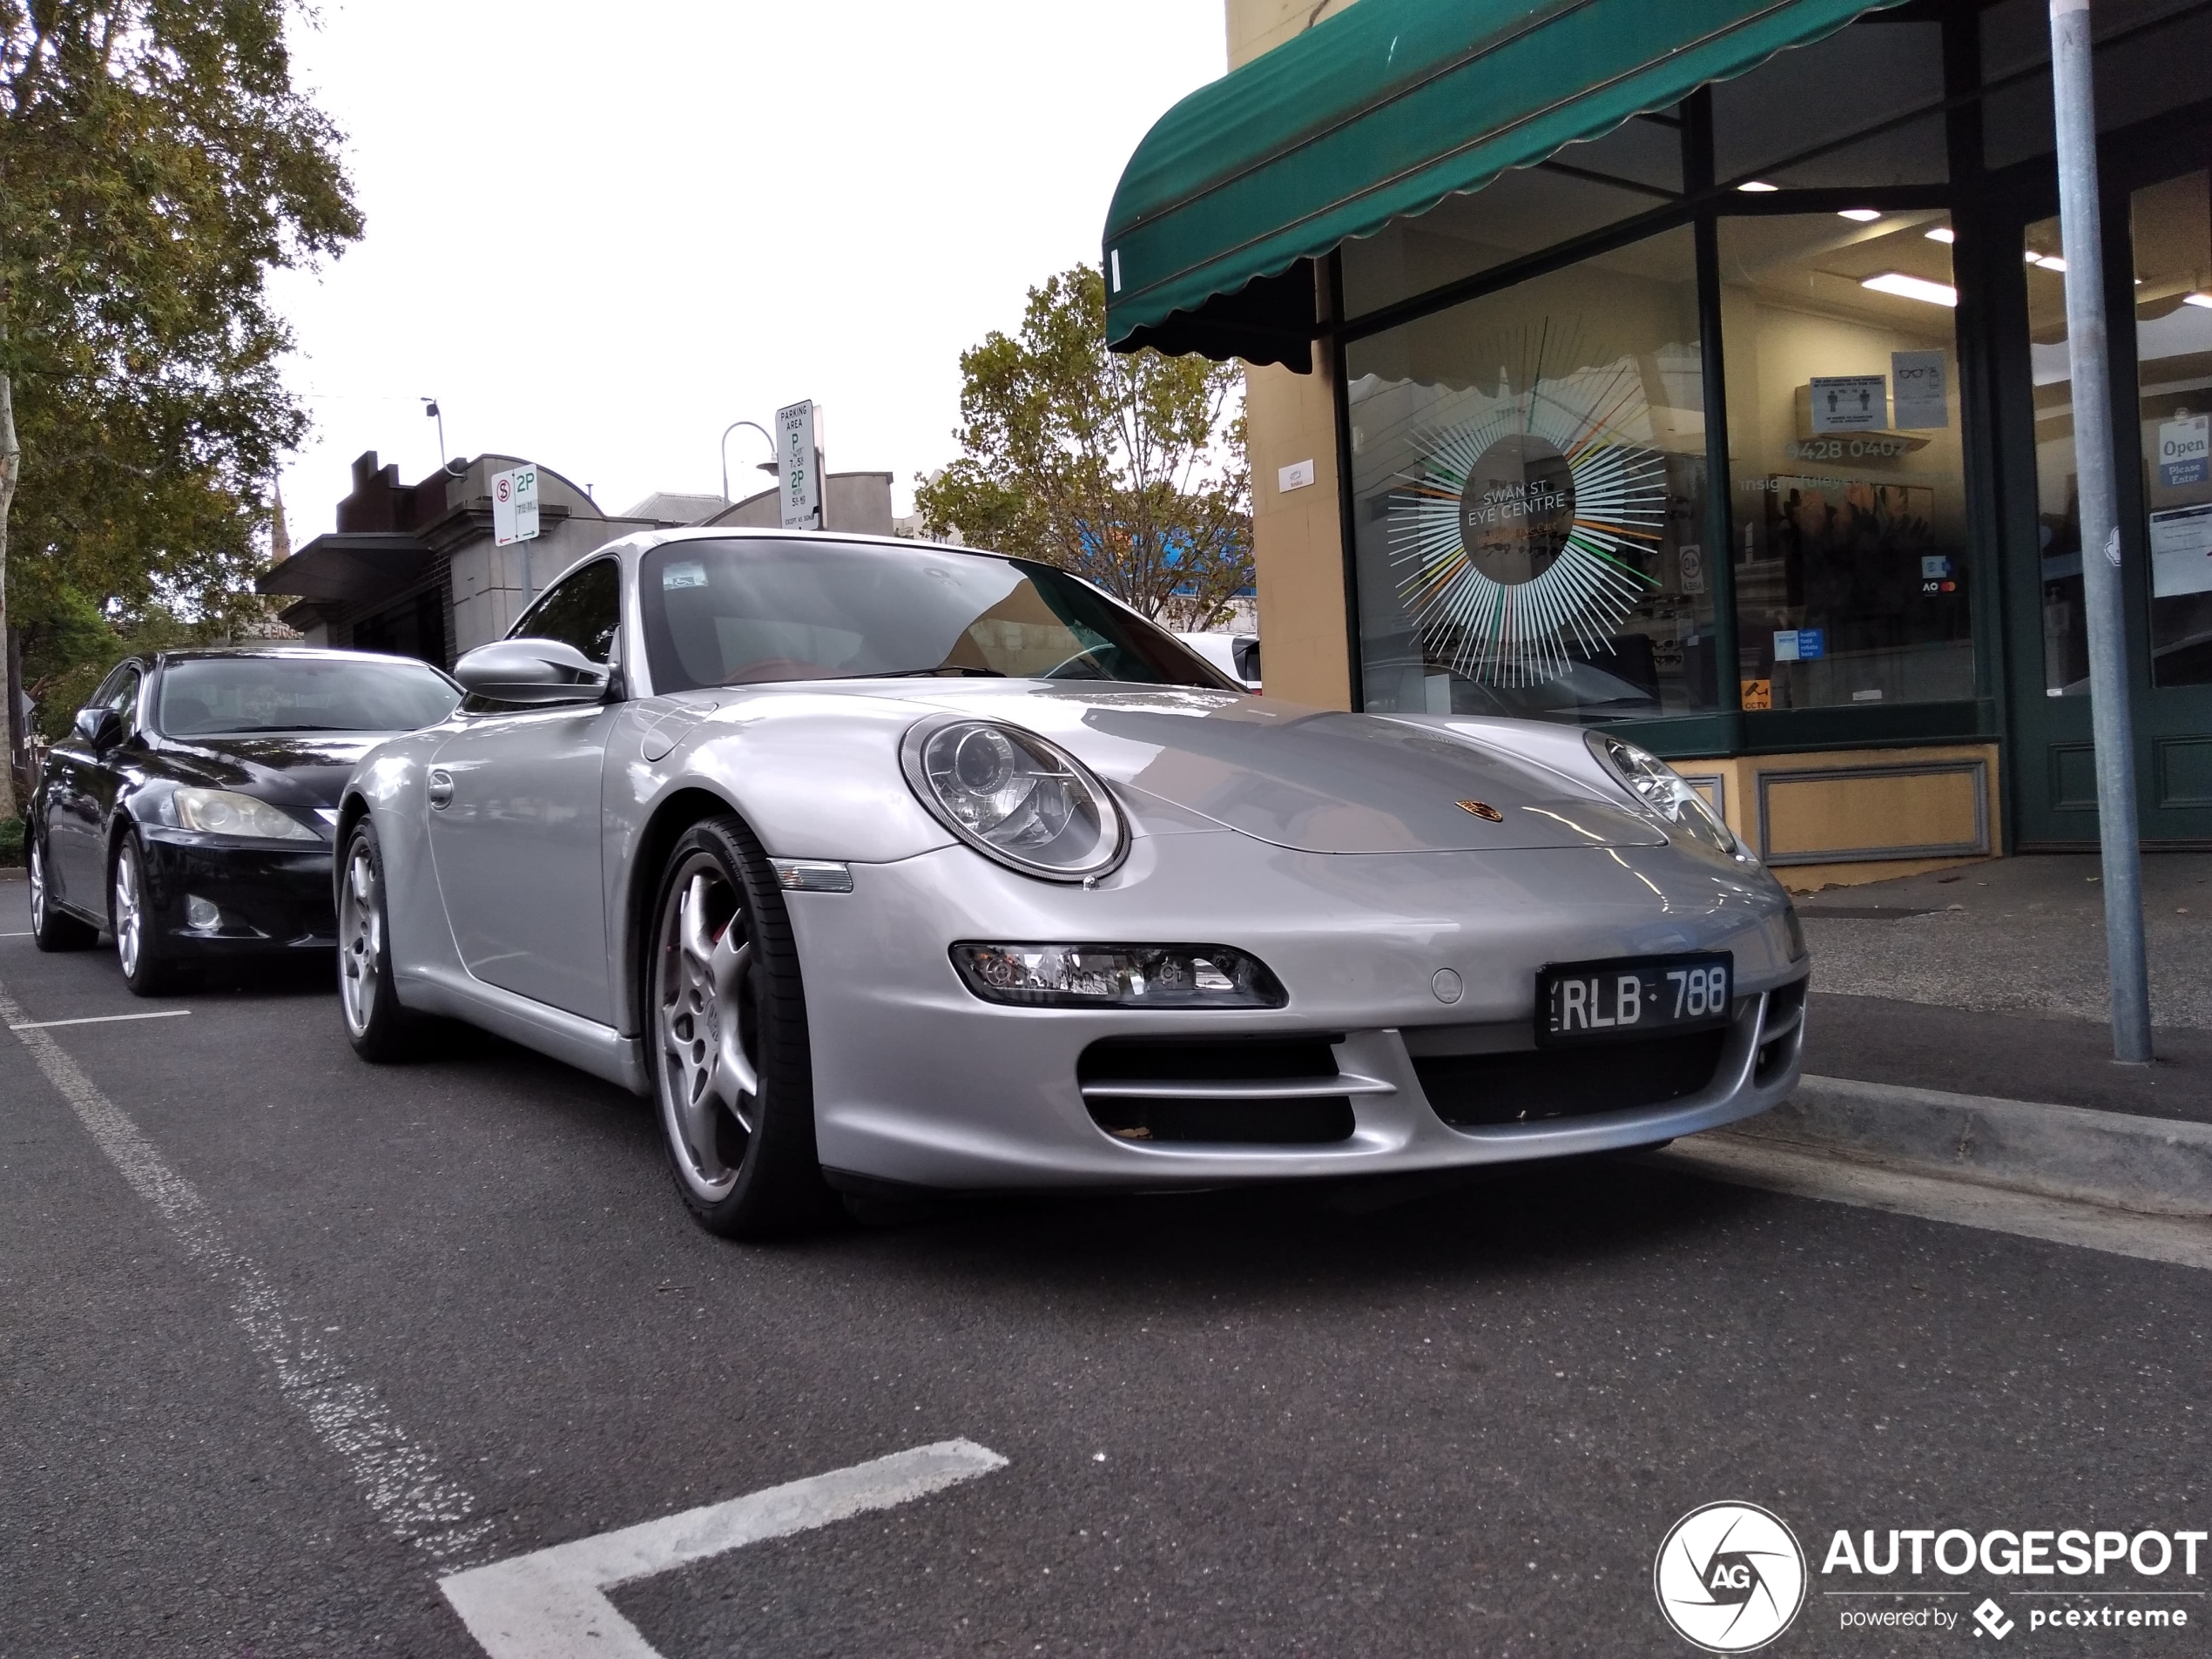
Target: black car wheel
{"x":727,"y":1029}
{"x":148,"y":965}
{"x":50,"y":928}
{"x":378,"y":1026}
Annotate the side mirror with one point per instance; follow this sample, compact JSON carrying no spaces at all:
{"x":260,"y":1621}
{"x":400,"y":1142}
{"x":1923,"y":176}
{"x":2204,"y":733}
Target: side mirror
{"x":99,"y":727}
{"x":535,"y":672}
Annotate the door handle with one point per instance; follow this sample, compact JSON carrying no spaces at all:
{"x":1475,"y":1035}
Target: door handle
{"x":441,"y":790}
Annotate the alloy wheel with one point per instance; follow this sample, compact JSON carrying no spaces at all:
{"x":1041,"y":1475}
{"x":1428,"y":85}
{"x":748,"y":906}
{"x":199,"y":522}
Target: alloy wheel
{"x":129,"y":916}
{"x":37,"y":861}
{"x":360,"y":940}
{"x":707,"y":1021}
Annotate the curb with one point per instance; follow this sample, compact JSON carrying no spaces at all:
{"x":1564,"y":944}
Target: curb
{"x":2152,"y":1166}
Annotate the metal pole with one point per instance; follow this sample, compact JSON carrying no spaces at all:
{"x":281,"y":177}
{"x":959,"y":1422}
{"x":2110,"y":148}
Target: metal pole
{"x":2080,"y":231}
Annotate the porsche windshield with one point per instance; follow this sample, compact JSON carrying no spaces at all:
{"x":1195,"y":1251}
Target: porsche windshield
{"x":745,"y":612}
{"x":204,"y":695}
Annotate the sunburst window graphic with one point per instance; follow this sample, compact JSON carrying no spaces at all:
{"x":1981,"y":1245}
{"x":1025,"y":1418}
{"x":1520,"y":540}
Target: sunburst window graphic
{"x":1517,"y":539}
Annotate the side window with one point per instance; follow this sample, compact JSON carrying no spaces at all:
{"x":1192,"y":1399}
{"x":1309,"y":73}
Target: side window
{"x":119,"y":692}
{"x":585,"y":610}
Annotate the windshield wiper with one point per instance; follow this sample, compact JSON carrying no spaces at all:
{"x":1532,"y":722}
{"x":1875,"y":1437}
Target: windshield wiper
{"x":961,"y":668}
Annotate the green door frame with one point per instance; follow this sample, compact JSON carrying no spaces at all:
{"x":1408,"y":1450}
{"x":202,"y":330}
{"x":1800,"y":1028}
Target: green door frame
{"x":2050,"y":780}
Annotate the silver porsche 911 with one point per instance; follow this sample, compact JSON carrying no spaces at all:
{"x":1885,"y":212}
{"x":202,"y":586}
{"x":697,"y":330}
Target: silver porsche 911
{"x":885,"y":866}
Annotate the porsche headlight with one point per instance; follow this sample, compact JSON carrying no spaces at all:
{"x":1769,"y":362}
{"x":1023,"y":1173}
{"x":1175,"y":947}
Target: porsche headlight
{"x":222,"y":812}
{"x":1662,"y":789}
{"x":1010,"y":793}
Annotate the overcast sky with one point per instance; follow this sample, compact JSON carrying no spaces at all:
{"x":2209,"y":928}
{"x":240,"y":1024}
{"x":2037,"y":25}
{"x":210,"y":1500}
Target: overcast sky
{"x":597,"y":235}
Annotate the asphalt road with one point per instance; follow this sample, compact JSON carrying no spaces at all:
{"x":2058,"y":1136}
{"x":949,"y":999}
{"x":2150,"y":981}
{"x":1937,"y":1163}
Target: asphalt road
{"x":1277,"y":1423}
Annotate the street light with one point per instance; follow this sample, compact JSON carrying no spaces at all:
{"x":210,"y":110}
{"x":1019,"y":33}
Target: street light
{"x":768,"y":466}
{"x":430,"y":408}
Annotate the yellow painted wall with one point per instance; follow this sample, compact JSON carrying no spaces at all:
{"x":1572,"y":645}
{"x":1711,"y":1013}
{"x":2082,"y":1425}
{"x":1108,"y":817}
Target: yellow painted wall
{"x":1896,"y":799}
{"x":1297,"y":535}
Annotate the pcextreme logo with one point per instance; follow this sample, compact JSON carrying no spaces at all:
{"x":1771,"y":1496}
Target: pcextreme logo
{"x":1730,"y":1577}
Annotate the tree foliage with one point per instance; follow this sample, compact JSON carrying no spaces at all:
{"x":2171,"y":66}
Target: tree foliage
{"x":156,"y":165}
{"x":1128,"y":470}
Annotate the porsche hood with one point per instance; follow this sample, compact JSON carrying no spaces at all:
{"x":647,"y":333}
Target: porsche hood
{"x":1317,"y":780}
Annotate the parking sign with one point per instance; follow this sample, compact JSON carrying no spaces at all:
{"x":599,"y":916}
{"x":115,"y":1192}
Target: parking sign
{"x":514,"y":505}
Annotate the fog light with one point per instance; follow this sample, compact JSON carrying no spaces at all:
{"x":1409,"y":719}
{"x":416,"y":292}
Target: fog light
{"x":201,"y":914}
{"x":1127,"y":976}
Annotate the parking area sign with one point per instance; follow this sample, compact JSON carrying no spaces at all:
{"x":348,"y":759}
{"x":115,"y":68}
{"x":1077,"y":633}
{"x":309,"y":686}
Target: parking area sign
{"x":514,"y":505}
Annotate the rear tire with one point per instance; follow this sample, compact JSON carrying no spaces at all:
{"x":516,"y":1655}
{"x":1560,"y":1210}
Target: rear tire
{"x":148,"y":963}
{"x":725,"y":1026}
{"x":51,"y":930}
{"x":380,"y":1029}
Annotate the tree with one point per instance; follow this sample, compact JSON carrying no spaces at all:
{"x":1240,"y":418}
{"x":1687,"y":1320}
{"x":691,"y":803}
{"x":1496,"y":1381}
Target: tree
{"x":156,"y":165}
{"x":1128,"y":470}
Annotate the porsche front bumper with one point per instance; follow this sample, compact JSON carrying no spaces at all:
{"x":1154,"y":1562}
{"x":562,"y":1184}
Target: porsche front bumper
{"x":920,"y":1083}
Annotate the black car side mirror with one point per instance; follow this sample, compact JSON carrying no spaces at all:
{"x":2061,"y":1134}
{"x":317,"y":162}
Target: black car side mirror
{"x":99,"y":727}
{"x":538,"y":672}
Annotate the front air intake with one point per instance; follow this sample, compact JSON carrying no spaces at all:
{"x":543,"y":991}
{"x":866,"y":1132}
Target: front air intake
{"x":1226,"y":1091}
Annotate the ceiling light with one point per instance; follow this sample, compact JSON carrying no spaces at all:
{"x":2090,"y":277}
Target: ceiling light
{"x":2204,"y":299}
{"x":1757,"y":186}
{"x":1942,"y":233}
{"x":1912,"y":287}
{"x":1864,"y":215}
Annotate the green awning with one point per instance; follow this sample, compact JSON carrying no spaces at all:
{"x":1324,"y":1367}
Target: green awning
{"x":1385,"y":110}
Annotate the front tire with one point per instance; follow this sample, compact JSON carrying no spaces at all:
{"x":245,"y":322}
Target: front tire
{"x":726,"y":1023}
{"x":148,"y":962}
{"x":51,"y":929}
{"x":376,"y":1025}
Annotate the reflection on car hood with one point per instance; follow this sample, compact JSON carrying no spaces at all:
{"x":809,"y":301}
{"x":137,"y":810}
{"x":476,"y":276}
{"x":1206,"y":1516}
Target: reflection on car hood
{"x":305,"y":768}
{"x":1314,"y":779}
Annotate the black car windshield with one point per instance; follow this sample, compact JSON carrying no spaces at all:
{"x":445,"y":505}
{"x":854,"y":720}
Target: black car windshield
{"x":202,"y":696}
{"x":750,"y":611}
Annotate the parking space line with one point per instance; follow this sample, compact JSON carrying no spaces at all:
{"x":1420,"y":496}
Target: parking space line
{"x":99,"y":1019}
{"x":401,"y":1479}
{"x":552,"y":1603}
{"x":26,"y":934}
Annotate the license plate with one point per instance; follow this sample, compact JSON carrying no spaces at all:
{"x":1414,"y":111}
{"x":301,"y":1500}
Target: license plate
{"x":1632,"y":996}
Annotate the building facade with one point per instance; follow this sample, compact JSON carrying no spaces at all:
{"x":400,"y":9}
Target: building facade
{"x":416,"y":569}
{"x":1700,"y":371}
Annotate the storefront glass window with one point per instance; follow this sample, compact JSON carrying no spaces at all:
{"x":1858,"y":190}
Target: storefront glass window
{"x":1849,"y":513}
{"x":1862,"y":107}
{"x":2173,"y":246}
{"x":1528,"y":483}
{"x":1585,"y":187}
{"x":2058,"y":506}
{"x":2149,"y":56}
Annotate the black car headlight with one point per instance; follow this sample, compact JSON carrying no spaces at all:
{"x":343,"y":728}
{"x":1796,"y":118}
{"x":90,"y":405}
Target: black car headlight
{"x":224,"y":812}
{"x":1015,"y":797}
{"x":1662,"y":790}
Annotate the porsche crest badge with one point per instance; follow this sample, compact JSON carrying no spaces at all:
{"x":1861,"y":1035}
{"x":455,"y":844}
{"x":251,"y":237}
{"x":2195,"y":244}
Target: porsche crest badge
{"x":1483,"y":809}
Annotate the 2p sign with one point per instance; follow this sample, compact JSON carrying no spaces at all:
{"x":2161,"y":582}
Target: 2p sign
{"x":514,"y":505}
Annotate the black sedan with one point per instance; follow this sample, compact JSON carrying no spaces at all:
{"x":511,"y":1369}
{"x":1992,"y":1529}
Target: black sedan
{"x":189,"y":812}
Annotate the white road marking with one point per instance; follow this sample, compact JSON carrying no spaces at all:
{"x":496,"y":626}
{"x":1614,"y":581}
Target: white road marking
{"x":26,"y":934}
{"x":552,"y":1603}
{"x":2185,"y":1241}
{"x":401,"y":1479}
{"x":97,"y":1019}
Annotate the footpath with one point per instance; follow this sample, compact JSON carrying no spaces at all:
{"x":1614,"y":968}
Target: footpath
{"x":1958,"y":1028}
